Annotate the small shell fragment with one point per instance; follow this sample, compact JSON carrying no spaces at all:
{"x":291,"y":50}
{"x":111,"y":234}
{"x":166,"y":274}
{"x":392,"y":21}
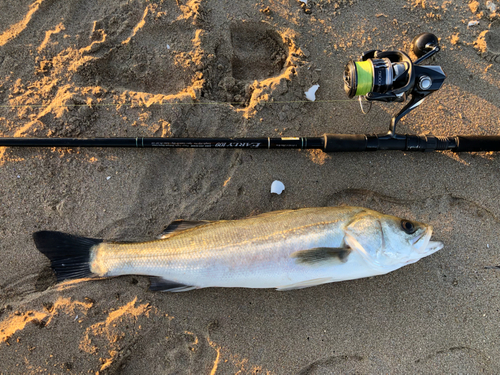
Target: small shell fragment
{"x":473,"y":23}
{"x":491,"y":6}
{"x":311,"y":93}
{"x":277,"y":187}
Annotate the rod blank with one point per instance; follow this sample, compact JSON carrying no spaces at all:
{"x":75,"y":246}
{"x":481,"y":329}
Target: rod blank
{"x":327,"y":143}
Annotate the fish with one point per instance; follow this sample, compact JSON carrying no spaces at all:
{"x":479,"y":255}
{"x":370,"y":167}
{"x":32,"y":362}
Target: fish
{"x":285,"y":250}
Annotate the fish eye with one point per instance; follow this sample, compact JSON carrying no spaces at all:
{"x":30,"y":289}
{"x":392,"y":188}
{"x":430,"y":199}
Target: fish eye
{"x":408,"y":226}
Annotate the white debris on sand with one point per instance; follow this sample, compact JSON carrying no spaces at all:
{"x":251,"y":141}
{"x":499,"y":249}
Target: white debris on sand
{"x":277,"y":187}
{"x":491,"y":6}
{"x":311,"y":93}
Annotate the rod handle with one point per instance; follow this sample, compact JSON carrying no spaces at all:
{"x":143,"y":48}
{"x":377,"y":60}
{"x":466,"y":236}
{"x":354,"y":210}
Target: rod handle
{"x":467,"y":143}
{"x":344,"y":142}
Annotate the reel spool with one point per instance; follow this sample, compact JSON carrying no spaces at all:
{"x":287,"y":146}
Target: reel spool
{"x":378,"y":75}
{"x":391,"y":76}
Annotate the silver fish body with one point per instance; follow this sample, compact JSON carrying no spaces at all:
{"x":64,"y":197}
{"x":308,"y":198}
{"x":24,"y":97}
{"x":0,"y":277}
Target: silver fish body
{"x":283,"y":250}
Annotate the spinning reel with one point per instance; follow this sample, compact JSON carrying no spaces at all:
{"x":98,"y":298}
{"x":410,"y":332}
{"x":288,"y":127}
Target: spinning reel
{"x":391,"y":76}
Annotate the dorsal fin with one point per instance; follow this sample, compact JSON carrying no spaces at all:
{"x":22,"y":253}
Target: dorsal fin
{"x":272,"y":213}
{"x":179,"y":226}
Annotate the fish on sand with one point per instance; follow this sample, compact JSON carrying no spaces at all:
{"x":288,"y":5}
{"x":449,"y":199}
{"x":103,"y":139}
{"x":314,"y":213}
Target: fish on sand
{"x":285,"y":250}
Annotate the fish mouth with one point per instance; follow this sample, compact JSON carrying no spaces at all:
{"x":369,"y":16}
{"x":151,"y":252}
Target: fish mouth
{"x":420,"y":242}
{"x":433,"y":246}
{"x":424,"y":246}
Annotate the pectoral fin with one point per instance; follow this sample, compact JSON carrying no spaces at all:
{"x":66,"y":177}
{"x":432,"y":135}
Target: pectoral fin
{"x":321,"y":255}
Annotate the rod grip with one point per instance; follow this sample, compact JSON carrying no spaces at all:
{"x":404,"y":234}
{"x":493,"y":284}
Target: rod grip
{"x":467,"y":143}
{"x":344,"y":142}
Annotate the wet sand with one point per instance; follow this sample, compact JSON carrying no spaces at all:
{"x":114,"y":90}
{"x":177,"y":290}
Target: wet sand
{"x":211,"y":68}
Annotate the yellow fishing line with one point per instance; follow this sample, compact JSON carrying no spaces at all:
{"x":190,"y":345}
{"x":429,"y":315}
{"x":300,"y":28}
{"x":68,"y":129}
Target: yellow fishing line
{"x":166,"y":104}
{"x":365,"y":77}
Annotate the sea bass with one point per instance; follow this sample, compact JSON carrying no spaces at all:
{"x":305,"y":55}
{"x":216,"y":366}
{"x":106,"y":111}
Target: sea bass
{"x":285,"y":250}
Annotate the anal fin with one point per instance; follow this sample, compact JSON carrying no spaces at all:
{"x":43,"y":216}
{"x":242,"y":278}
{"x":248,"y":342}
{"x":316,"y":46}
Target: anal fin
{"x":305,"y":284}
{"x":159,"y":284}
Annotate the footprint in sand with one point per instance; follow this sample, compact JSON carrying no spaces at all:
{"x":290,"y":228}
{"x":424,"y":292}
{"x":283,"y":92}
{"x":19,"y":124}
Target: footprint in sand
{"x":170,"y":351}
{"x":249,"y":56}
{"x":488,"y":43}
{"x":157,"y":58}
{"x":258,"y":52}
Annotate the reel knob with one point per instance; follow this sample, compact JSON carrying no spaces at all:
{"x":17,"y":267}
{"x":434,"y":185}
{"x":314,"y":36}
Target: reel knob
{"x":423,"y":43}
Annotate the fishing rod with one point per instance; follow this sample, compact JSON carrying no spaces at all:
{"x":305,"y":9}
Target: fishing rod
{"x":379,"y":76}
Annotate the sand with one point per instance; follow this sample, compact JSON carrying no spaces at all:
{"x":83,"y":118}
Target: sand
{"x":205,"y":68}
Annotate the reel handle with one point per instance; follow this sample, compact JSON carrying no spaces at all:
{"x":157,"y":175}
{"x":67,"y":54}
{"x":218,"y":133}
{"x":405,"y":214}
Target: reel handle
{"x":423,"y":44}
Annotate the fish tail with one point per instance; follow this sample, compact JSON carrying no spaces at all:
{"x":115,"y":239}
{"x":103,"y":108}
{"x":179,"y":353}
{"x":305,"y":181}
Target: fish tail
{"x":69,"y":255}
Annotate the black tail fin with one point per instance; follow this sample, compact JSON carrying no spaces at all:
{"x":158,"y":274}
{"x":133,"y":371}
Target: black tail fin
{"x":69,"y":255}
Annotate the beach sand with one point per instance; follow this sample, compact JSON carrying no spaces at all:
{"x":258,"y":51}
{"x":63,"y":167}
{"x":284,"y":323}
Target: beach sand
{"x":208,"y":68}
